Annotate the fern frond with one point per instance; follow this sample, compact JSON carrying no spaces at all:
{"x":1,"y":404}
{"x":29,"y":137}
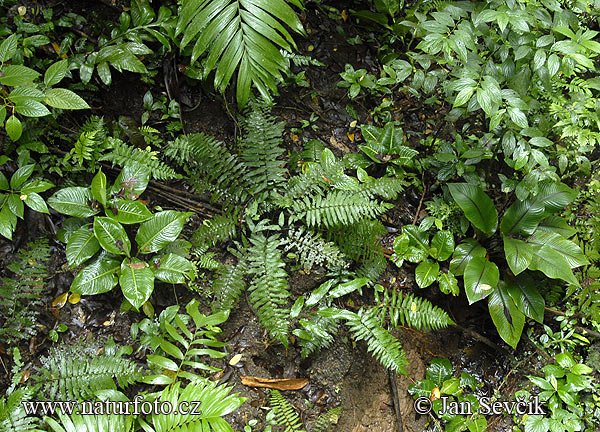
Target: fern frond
{"x":122,"y":153}
{"x":365,"y":325}
{"x":13,"y":417}
{"x":91,"y":141}
{"x":91,"y":423}
{"x":326,"y":419}
{"x":285,"y":414}
{"x":218,"y":229}
{"x":372,"y":268}
{"x":313,"y":249}
{"x":269,"y":290}
{"x":360,"y":240}
{"x":408,"y":310}
{"x":229,"y":284}
{"x":385,"y":187}
{"x":205,"y":260}
{"x":312,"y":150}
{"x":337,"y":208}
{"x":316,"y":333}
{"x":76,"y":372}
{"x":260,"y":148}
{"x":242,"y":36}
{"x":221,"y":172}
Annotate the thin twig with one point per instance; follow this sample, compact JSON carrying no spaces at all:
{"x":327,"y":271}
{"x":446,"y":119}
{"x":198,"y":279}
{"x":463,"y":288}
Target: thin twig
{"x":396,"y":400}
{"x":421,"y":201}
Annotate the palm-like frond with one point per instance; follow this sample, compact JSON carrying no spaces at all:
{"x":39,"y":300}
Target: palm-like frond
{"x":243,"y":35}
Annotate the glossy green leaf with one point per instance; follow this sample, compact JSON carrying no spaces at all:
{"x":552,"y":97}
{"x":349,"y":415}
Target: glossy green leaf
{"x":8,"y":48}
{"x":442,"y":245}
{"x":99,"y":187}
{"x":557,"y":225}
{"x":133,"y":180}
{"x":111,"y":236}
{"x":73,"y":201}
{"x":476,"y":205}
{"x":82,"y":245}
{"x":348,"y":287}
{"x":481,"y":278}
{"x":568,"y":249}
{"x":31,"y":108}
{"x":507,"y":318}
{"x":172,"y":268}
{"x":555,"y":196}
{"x":35,"y":202}
{"x":56,"y":72}
{"x":36,"y":186}
{"x":15,"y":204}
{"x":522,"y":217}
{"x":65,"y":99}
{"x":129,"y":212}
{"x":448,"y":283}
{"x":96,"y":278}
{"x":162,"y":229}
{"x":464,"y":253}
{"x":524,"y":293}
{"x":426,"y":273}
{"x":3,"y":182}
{"x":14,"y":128}
{"x":137,"y":281}
{"x":518,"y":254}
{"x":21,"y":175}
{"x":553,"y":264}
{"x":17,"y":75}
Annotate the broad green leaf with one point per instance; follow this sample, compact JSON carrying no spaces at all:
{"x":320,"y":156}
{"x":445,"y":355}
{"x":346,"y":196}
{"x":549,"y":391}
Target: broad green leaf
{"x":481,"y":278}
{"x":99,"y":187}
{"x":8,"y":48}
{"x":569,"y":250}
{"x":133,"y":179}
{"x":557,"y":225}
{"x":8,"y":221}
{"x":14,"y":129}
{"x":477,"y":206}
{"x":129,"y":212}
{"x":31,"y":108}
{"x":21,"y":94}
{"x":518,"y":254}
{"x":319,"y":293}
{"x":96,"y":278}
{"x":64,"y":99}
{"x":524,"y":293}
{"x":15,"y":204}
{"x":438,"y":371}
{"x":508,"y":319}
{"x":162,"y":229}
{"x":553,"y":264}
{"x":73,"y":201}
{"x":442,"y":245}
{"x":3,"y":182}
{"x":17,"y":75}
{"x":463,"y":96}
{"x":36,"y":186}
{"x":417,"y":237}
{"x":21,"y":175}
{"x":348,"y":287}
{"x":82,"y":244}
{"x":448,"y":283}
{"x":111,"y":236}
{"x":35,"y":202}
{"x":555,"y":196}
{"x":172,"y":268}
{"x":522,"y":217}
{"x":56,"y":72}
{"x":137,"y":281}
{"x":426,"y":273}
{"x":464,"y":253}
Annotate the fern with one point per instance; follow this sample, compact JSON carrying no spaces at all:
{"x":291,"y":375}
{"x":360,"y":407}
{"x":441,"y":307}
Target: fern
{"x":260,"y":148}
{"x":218,"y":229}
{"x":215,"y":403}
{"x":229,"y":284}
{"x":269,"y":291}
{"x":181,"y":349}
{"x":408,"y":310}
{"x":91,"y":423}
{"x":337,"y":208}
{"x":316,"y":333}
{"x":122,"y":153}
{"x":326,"y":419}
{"x":285,"y":414}
{"x":242,"y":36}
{"x":372,"y":268}
{"x":205,"y":259}
{"x":91,"y":141}
{"x":76,"y":372}
{"x":365,"y":325}
{"x":360,"y":240}
{"x":20,"y":302}
{"x":385,"y":187}
{"x":12,"y":414}
{"x":313,"y":249}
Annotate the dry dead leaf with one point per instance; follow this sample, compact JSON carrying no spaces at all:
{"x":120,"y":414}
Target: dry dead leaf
{"x":60,"y":300}
{"x":235,"y":359}
{"x":136,"y":266}
{"x":345,"y":15}
{"x":274,"y":383}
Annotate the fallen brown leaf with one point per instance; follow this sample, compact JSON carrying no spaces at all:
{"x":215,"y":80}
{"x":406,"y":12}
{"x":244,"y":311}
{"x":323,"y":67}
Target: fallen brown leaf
{"x":274,"y":383}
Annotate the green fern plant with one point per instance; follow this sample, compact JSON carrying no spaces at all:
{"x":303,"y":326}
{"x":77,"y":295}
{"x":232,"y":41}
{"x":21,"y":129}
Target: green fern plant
{"x":91,"y":423}
{"x":91,"y":142}
{"x":244,"y":36}
{"x":20,"y":302}
{"x":287,"y":417}
{"x":13,"y":417}
{"x":77,"y":372}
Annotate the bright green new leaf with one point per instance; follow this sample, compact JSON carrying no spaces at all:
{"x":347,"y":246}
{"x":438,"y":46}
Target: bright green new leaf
{"x":82,"y":245}
{"x":173,"y":269}
{"x":508,"y":319}
{"x":14,"y":129}
{"x":442,"y":245}
{"x":129,"y":212}
{"x":518,"y":254}
{"x":99,"y":187}
{"x":448,"y":283}
{"x":464,"y":253}
{"x":426,"y":273}
{"x":162,"y":229}
{"x":98,"y":277}
{"x":553,"y":264}
{"x":481,"y":278}
{"x":73,"y":201}
{"x":137,"y":281}
{"x":477,"y":206}
{"x":111,"y":236}
{"x":65,"y":99}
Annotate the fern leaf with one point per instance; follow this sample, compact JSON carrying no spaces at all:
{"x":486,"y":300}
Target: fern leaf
{"x":326,"y":419}
{"x":411,"y":311}
{"x":218,"y":229}
{"x":240,"y":35}
{"x":269,"y":291}
{"x":229,"y":284}
{"x":337,"y":208}
{"x":313,"y":249}
{"x":360,"y":240}
{"x":91,"y":423}
{"x":384,"y":347}
{"x":12,"y":414}
{"x":316,"y":333}
{"x":385,"y":187}
{"x":122,"y":153}
{"x":285,"y":414}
